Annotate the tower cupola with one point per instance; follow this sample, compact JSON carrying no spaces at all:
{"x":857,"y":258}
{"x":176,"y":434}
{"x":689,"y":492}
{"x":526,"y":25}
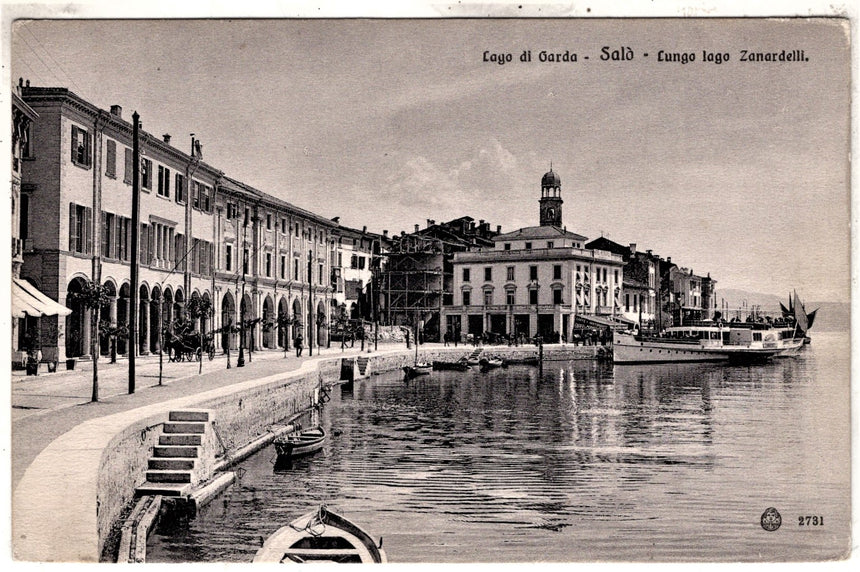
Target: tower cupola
{"x":550,"y":199}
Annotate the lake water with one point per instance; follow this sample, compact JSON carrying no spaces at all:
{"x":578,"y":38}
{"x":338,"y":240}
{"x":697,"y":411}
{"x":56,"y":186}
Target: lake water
{"x":579,"y":461}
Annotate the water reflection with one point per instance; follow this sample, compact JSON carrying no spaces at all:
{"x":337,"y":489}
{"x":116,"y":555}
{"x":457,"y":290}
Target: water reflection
{"x":575,"y":461}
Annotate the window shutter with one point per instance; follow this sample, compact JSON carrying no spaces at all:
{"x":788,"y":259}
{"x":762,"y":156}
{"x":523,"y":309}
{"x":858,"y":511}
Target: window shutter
{"x":87,"y":149}
{"x":88,"y":229}
{"x":73,"y":224}
{"x":110,"y":166}
{"x":74,"y":143}
{"x":129,"y":166}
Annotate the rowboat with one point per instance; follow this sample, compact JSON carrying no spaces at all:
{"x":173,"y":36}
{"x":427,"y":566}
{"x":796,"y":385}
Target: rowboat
{"x":410,"y":371}
{"x":301,"y":443}
{"x":321,"y":536}
{"x":490,"y":363}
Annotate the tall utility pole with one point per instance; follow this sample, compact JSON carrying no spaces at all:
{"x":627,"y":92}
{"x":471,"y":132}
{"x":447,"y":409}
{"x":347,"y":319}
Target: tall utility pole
{"x":241,"y":361}
{"x":135,"y":261}
{"x":310,"y":305}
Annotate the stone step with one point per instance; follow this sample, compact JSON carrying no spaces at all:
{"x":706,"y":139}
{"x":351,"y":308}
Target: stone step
{"x":171,"y":464}
{"x":157,"y":476}
{"x":164,"y":489}
{"x":175,"y":451}
{"x":188,"y":415}
{"x":184,"y":427}
{"x":180,"y":439}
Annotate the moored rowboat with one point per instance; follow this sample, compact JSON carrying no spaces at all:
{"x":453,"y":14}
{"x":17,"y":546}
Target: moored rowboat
{"x":302,"y":443}
{"x":321,"y":536}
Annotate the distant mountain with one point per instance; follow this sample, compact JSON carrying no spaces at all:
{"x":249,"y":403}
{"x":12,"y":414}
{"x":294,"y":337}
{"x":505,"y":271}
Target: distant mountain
{"x":831,"y":315}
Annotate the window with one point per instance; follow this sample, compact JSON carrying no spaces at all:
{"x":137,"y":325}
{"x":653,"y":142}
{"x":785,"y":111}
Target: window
{"x":556,"y":296}
{"x":533,"y":296}
{"x":268,"y":222}
{"x":123,"y":236}
{"x":361,"y":261}
{"x":550,"y":244}
{"x":528,"y":246}
{"x":556,"y":272}
{"x":510,"y":273}
{"x":80,"y":225}
{"x":245,"y":261}
{"x":179,"y":191}
{"x":297,"y":230}
{"x":247,"y":216}
{"x":80,"y":146}
{"x":145,"y":250}
{"x":353,"y":262}
{"x":616,"y":274}
{"x":108,"y":226}
{"x":507,"y":246}
{"x":110,"y":159}
{"x":466,"y":277}
{"x":146,"y":174}
{"x":627,"y":302}
{"x":295,"y":268}
{"x":488,"y":274}
{"x":488,"y":297}
{"x":129,"y":167}
{"x":269,"y":264}
{"x":24,"y":226}
{"x":163,"y":189}
{"x":509,"y":297}
{"x":467,"y":297}
{"x":231,"y":211}
{"x":228,"y":257}
{"x":283,"y":273}
{"x":533,"y":272}
{"x":284,"y":226}
{"x":320,"y":273}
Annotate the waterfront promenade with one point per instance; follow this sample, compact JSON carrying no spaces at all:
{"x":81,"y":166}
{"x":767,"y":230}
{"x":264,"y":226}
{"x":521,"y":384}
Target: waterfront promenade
{"x":47,"y":406}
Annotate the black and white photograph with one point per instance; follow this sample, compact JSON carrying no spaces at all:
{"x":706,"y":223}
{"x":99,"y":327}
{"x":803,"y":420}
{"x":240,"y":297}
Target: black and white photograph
{"x":519,"y":284}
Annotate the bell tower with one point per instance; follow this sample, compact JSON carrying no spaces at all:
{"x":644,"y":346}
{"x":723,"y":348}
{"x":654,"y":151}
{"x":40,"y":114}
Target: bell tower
{"x":550,"y":199}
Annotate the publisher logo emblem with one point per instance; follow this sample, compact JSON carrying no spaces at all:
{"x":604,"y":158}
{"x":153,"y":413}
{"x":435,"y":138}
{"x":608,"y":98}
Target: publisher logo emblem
{"x":771,"y":519}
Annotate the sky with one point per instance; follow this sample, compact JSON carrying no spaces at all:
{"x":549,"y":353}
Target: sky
{"x":740,"y":170}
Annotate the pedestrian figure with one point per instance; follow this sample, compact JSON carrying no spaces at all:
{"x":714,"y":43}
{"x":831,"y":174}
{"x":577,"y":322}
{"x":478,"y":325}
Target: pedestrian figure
{"x":299,"y":341}
{"x":456,"y":337}
{"x":407,"y":339}
{"x":446,"y":338}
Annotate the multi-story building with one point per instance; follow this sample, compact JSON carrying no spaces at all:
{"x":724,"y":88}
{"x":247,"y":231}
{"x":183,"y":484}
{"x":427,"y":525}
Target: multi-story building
{"x":419,"y":279}
{"x":693,"y":295}
{"x":641,"y":284}
{"x":202,"y":234}
{"x":355,"y":279}
{"x":535,"y":280}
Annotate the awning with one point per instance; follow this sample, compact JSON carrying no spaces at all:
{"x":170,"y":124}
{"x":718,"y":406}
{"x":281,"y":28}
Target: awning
{"x":27,"y":300}
{"x":601,"y":321}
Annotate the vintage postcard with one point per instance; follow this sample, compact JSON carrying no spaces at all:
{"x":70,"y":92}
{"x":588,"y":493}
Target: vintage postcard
{"x":430,"y":290}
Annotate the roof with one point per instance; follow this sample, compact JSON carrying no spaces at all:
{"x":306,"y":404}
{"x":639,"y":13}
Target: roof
{"x":27,"y":300}
{"x":538,"y":232}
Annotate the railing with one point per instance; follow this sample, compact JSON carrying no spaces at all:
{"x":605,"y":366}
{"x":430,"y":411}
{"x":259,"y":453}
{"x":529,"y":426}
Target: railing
{"x":489,"y":255}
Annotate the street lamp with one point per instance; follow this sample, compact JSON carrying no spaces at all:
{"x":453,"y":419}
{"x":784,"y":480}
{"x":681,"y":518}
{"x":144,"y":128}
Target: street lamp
{"x":240,"y":362}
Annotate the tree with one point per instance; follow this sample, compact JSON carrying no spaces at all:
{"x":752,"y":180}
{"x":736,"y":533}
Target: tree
{"x":283,"y":322}
{"x":198,"y":308}
{"x":112,"y":333}
{"x":93,"y":297}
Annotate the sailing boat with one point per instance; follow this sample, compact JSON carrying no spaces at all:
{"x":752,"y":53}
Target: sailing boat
{"x":797,"y":310}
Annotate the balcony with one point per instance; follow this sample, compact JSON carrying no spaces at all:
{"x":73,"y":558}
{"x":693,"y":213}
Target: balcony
{"x":513,"y":309}
{"x":485,"y":256}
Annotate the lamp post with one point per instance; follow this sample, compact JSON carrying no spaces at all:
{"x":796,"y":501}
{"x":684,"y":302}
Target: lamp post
{"x":240,"y":362}
{"x":310,"y":304}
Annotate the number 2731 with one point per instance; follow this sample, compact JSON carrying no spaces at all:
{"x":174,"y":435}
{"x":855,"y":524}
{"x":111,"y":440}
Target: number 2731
{"x":810,"y":521}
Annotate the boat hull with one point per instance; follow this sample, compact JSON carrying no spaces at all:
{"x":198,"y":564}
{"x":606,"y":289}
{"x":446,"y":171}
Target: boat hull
{"x":320,"y":536}
{"x":305,"y":443}
{"x":627,"y":349}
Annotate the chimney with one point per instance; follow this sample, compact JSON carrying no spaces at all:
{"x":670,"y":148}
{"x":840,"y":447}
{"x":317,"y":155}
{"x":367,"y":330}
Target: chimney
{"x":116,"y":110}
{"x":416,"y":228}
{"x":649,"y":252}
{"x":364,"y":229}
{"x":384,"y":234}
{"x":166,"y":138}
{"x":632,"y":248}
{"x":481,"y":222}
{"x":498,"y":229}
{"x":669,"y":260}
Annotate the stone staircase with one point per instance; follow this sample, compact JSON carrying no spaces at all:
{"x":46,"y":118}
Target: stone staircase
{"x":475,"y":354}
{"x":176,"y":463}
